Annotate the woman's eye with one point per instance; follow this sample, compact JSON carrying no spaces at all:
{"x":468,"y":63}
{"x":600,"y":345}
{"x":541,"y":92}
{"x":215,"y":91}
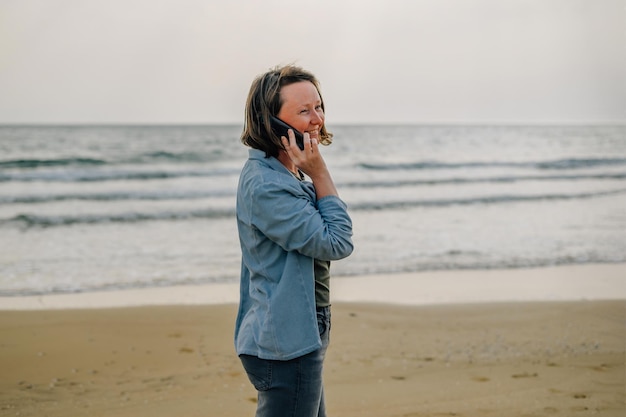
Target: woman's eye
{"x":317,"y":108}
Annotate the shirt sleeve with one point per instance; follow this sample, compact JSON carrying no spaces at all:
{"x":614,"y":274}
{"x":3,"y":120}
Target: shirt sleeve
{"x":291,"y":217}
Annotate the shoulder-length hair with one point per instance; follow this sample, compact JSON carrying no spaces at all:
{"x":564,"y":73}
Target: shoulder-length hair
{"x":264,"y":100}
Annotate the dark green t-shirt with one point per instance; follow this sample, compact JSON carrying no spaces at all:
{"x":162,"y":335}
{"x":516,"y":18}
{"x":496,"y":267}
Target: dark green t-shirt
{"x":322,"y":283}
{"x":322,"y":273}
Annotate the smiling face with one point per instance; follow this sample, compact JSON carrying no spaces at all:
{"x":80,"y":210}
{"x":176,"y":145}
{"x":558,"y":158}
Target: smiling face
{"x":302,"y":107}
{"x":291,"y":94}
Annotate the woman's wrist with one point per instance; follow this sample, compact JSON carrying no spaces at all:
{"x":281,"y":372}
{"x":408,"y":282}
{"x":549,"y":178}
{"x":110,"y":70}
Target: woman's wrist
{"x":324,"y":185}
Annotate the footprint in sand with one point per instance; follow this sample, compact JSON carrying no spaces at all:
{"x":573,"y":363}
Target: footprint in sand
{"x":525,"y":375}
{"x":601,"y":368}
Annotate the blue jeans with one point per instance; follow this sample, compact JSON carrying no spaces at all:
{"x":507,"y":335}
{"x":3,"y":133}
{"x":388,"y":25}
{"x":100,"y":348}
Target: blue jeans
{"x":291,"y":388}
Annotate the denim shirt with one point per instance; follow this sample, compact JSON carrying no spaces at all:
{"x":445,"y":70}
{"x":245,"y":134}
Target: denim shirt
{"x":282,"y":229}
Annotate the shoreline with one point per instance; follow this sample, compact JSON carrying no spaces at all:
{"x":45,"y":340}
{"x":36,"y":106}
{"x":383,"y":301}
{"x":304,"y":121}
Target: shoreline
{"x":555,"y":283}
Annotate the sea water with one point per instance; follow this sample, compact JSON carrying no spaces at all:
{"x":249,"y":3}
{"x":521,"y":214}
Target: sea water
{"x":88,"y":208}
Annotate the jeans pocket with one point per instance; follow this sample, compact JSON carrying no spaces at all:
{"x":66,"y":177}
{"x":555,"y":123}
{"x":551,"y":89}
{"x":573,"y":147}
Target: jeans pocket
{"x":259,"y":371}
{"x":323,"y":323}
{"x":322,"y":326}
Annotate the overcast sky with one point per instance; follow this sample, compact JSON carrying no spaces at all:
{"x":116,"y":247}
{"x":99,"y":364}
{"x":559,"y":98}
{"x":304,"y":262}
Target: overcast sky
{"x":411,"y":61}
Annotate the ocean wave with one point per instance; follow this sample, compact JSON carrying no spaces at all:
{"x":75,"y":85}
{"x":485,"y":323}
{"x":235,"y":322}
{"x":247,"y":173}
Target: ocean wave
{"x":557,"y":164}
{"x":98,"y":175}
{"x":445,"y":264}
{"x":130,"y":175}
{"x":479,"y":180}
{"x":195,"y":194}
{"x":473,"y":264}
{"x":34,"y":220}
{"x":174,"y":157}
{"x":116,"y":196}
{"x":161,"y":195}
{"x":82,"y":287}
{"x":495,"y":199}
{"x":147,"y":158}
{"x":58,"y":162}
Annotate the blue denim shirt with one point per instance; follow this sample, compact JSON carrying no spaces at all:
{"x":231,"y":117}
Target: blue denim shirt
{"x":282,"y":229}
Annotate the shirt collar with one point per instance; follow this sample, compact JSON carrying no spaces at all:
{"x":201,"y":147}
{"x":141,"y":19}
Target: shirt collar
{"x":272,"y":162}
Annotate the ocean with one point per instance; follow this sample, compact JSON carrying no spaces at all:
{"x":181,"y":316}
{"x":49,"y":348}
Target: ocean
{"x":92,"y":208}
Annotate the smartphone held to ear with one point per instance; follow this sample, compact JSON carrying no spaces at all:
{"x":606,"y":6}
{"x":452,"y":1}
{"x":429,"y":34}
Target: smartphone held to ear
{"x":280,"y":128}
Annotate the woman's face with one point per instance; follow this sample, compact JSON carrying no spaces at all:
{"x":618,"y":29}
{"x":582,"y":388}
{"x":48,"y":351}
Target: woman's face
{"x":302,"y":107}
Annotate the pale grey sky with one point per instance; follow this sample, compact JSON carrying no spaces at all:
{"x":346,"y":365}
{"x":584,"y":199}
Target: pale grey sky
{"x":410,"y":61}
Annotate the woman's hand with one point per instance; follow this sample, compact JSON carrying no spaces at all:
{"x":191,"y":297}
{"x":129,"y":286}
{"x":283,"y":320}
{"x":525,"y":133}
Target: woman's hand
{"x":310,"y":161}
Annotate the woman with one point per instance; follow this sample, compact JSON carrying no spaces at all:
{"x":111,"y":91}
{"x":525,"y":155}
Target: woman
{"x":289,"y":230}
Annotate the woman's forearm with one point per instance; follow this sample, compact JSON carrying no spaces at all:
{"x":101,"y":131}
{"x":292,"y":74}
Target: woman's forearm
{"x":324,"y":185}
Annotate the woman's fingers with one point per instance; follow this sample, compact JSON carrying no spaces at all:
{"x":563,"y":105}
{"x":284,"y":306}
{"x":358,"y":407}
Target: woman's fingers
{"x":309,"y":160}
{"x":291,"y":145}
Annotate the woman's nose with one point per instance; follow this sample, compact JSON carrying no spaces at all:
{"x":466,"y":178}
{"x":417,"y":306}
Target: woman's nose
{"x":317,"y":118}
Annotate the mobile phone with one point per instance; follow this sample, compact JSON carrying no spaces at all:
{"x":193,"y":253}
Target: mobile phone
{"x":280,"y":128}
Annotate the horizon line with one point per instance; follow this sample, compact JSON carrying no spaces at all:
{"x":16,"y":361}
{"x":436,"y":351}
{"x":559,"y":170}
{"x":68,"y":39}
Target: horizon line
{"x":555,"y":123}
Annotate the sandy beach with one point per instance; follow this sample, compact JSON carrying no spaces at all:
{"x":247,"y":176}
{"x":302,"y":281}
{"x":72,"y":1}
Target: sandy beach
{"x":434,"y":356}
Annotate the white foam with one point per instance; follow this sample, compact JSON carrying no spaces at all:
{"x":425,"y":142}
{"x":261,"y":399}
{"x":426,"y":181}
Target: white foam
{"x":562,"y":283}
